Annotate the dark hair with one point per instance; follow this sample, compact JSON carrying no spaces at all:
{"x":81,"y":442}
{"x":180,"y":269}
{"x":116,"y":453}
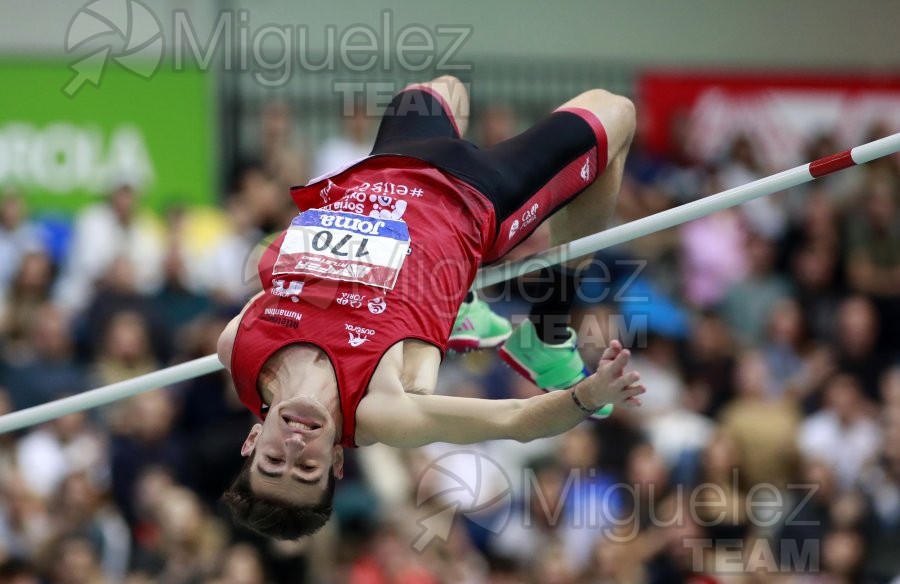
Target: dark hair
{"x":15,"y":568}
{"x":273,"y":517}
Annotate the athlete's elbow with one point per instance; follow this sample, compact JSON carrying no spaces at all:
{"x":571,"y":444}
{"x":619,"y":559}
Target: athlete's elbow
{"x":522,"y":427}
{"x":528,"y":433}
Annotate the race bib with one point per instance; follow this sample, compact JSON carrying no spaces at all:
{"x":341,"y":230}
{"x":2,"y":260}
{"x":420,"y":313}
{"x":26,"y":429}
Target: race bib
{"x":344,"y":246}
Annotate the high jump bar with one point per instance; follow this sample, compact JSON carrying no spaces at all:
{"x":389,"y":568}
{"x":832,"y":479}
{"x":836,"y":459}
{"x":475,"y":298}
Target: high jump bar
{"x":493,"y":275}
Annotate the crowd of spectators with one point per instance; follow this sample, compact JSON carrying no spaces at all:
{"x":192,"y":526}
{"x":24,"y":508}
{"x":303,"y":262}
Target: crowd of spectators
{"x":768,"y":448}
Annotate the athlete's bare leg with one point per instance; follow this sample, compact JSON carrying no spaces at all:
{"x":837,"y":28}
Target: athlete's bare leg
{"x":592,"y":209}
{"x":455,"y":95}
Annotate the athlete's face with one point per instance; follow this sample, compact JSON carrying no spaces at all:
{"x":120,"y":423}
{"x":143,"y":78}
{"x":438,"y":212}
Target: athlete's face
{"x":294,"y":450}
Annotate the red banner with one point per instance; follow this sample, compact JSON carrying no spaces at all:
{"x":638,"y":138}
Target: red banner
{"x":779,"y":112}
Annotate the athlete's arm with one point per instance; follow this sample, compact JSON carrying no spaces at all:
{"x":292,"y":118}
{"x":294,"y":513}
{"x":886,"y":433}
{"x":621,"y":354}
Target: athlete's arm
{"x":414,"y":420}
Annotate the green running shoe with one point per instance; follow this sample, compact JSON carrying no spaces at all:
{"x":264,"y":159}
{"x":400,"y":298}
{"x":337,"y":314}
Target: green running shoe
{"x":550,"y":367}
{"x":478,"y":327}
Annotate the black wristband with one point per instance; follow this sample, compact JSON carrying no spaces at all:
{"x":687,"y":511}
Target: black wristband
{"x":580,"y":405}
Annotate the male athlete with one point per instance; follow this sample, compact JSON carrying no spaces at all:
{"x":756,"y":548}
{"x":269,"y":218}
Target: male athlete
{"x":362,"y":292}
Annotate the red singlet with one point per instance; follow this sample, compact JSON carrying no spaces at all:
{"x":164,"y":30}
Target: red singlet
{"x":450,"y":225}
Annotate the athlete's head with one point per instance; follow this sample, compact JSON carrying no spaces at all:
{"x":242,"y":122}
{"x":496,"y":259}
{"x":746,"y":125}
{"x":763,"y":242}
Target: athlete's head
{"x":286,"y":487}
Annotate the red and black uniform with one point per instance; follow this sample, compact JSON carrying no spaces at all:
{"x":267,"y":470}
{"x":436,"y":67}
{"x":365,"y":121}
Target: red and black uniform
{"x":462,"y":206}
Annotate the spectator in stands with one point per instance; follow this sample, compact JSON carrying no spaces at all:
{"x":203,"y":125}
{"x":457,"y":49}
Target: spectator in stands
{"x":881,"y":484}
{"x":66,"y":445}
{"x":284,"y":156}
{"x":873,"y":254}
{"x":147,"y":441}
{"x":683,"y":177}
{"x":79,"y":507}
{"x":178,"y":301}
{"x":8,"y":441}
{"x":190,"y":233}
{"x":241,"y":564}
{"x":73,"y":559}
{"x":842,"y":434}
{"x":115,"y":293}
{"x":544,"y":517}
{"x":262,"y":197}
{"x":126,"y":350}
{"x":15,"y":571}
{"x":29,"y":289}
{"x":856,"y":343}
{"x":714,"y":254}
{"x":709,"y":362}
{"x":102,"y":233}
{"x":818,"y":223}
{"x":18,"y":235}
{"x":191,"y":540}
{"x":747,"y":303}
{"x":230,"y":265}
{"x":769,"y":456}
{"x":810,"y":514}
{"x":814,"y":275}
{"x":721,"y":491}
{"x":843,"y":551}
{"x":25,"y":527}
{"x":648,"y":488}
{"x":675,"y":432}
{"x":353,"y":143}
{"x":51,"y":370}
{"x":765,"y":216}
{"x":797,"y":365}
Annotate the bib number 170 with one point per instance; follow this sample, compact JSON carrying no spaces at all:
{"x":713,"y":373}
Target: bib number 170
{"x":344,"y":246}
{"x":324,"y":241}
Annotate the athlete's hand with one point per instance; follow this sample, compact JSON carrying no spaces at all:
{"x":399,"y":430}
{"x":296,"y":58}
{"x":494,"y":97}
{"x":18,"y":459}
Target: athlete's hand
{"x":610,"y":384}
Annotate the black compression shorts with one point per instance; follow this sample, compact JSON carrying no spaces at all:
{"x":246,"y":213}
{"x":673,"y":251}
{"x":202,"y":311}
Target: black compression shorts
{"x":527,"y":178}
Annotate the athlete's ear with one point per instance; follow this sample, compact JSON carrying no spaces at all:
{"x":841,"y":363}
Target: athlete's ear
{"x":250,"y":442}
{"x":337,"y":466}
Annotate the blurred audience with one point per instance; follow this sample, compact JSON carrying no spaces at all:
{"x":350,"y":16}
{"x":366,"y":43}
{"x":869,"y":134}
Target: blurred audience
{"x":843,"y":433}
{"x":18,"y":235}
{"x":50,"y":368}
{"x":118,"y":227}
{"x":284,"y":155}
{"x":354,"y":142}
{"x":29,"y":289}
{"x":769,"y":437}
{"x":496,"y":123}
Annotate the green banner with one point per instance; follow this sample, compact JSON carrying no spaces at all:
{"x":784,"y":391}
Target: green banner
{"x":63,"y":152}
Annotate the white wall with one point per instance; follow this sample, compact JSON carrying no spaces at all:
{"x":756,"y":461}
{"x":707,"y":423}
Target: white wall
{"x":826,"y":34}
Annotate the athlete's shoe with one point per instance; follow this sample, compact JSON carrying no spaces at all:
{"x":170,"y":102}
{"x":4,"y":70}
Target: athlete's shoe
{"x":550,"y":367}
{"x":477,"y":327}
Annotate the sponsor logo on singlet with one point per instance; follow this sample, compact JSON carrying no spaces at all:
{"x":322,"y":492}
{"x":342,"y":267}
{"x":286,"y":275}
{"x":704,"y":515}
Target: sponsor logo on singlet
{"x":350,"y":299}
{"x":358,"y":224}
{"x":344,"y":246}
{"x":384,"y":207}
{"x":324,"y":192}
{"x":285,"y":289}
{"x":377,"y":305}
{"x":358,"y":334}
{"x":282,"y":317}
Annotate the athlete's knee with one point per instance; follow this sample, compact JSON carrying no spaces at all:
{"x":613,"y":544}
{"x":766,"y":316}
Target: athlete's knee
{"x":448,"y":86}
{"x":615,"y":112}
{"x":447,"y":80}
